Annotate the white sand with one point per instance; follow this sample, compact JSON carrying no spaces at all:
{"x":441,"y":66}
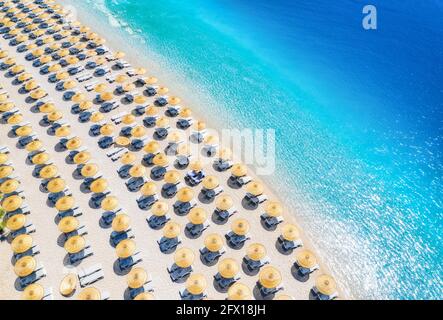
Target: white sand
{"x":52,"y":255}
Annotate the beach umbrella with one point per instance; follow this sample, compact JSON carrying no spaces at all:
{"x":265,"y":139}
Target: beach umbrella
{"x":5,"y":171}
{"x":274,"y":209}
{"x":239,"y":170}
{"x":306,"y":259}
{"x":91,"y":53}
{"x":3,"y":158}
{"x":128,"y":87}
{"x":163,"y":90}
{"x":122,"y":141}
{"x":172,"y":176}
{"x":85,"y":29}
{"x":89,"y":170}
{"x":200,"y":125}
{"x":15,"y":119}
{"x":107,"y":129}
{"x":326,"y":284}
{"x":56,"y":185}
{"x":290,"y":232}
{"x":63,"y":131}
{"x":283,"y":297}
{"x":256,"y":251}
{"x":174,"y":101}
{"x":21,"y":243}
{"x":25,"y":266}
{"x":185,"y":194}
{"x":136,"y":278}
{"x":68,"y":224}
{"x":128,"y":158}
{"x":159,"y":208}
{"x":125,"y":248}
{"x":48,"y":172}
{"x":70,"y":84}
{"x":171,"y":230}
{"x":75,"y":244}
{"x":183,"y":150}
{"x":151,"y":147}
{"x":47,"y":108}
{"x":121,"y":78}
{"x":121,"y":223}
{"x":99,"y":185}
{"x":255,"y":188}
{"x":74,"y":143}
{"x":196,"y":284}
{"x":144,"y":296}
{"x":213,"y":242}
{"x":38,"y":52}
{"x":239,"y":291}
{"x":55,"y":68}
{"x":138,"y":131}
{"x":9,"y":186}
{"x":21,"y":38}
{"x":175,"y":136}
{"x":228,"y":268}
{"x":137,"y":171}
{"x":151,"y":80}
{"x":119,"y":55}
{"x":128,"y":118}
{"x":16,"y":222}
{"x":185,"y":113}
{"x":23,"y":131}
{"x":160,"y":160}
{"x":81,"y":46}
{"x":62,"y":76}
{"x":72,"y":60}
{"x":90,"y":293}
{"x":12,"y":203}
{"x":109,"y":203}
{"x":197,"y":215}
{"x":106,"y":96}
{"x":34,"y":291}
{"x":9,"y":61}
{"x":101,"y":88}
{"x":196,"y":166}
{"x":55,"y":46}
{"x":17,"y":69}
{"x":24,"y":77}
{"x":3,"y":54}
{"x":48,"y":40}
{"x":224,"y":202}
{"x":38,"y":94}
{"x":78,"y":97}
{"x":68,"y":284}
{"x":45,"y":59}
{"x":140,"y":71}
{"x":184,"y":257}
{"x":82,"y":157}
{"x":210,"y":182}
{"x":149,"y":189}
{"x":40,"y":158}
{"x":4,"y":97}
{"x":4,"y":107}
{"x":64,"y":203}
{"x":211,"y":140}
{"x":162,"y":122}
{"x":240,"y":227}
{"x":85,"y":105}
{"x":97,"y":117}
{"x":269,"y":277}
{"x":34,"y":146}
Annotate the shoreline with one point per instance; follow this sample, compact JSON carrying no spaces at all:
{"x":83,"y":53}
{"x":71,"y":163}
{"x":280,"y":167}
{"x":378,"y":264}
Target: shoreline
{"x":116,"y":41}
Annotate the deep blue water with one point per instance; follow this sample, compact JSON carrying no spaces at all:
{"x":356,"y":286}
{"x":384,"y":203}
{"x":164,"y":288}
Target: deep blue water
{"x":358,"y":117}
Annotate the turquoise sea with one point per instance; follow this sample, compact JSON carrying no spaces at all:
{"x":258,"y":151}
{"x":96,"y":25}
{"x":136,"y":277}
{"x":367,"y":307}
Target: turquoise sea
{"x":358,"y":116}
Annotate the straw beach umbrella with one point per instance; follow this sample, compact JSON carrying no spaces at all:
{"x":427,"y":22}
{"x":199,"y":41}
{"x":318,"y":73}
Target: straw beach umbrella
{"x":5,"y":171}
{"x":68,"y":284}
{"x":160,"y":160}
{"x":197,"y":216}
{"x":125,"y":248}
{"x":255,"y":188}
{"x":136,"y":278}
{"x":213,"y":242}
{"x":121,"y":223}
{"x":211,"y":182}
{"x":224,"y":202}
{"x":185,"y":194}
{"x":97,"y":117}
{"x":269,"y":277}
{"x":109,"y":203}
{"x":172,"y":176}
{"x":107,"y":129}
{"x":149,"y":189}
{"x":68,"y":224}
{"x":239,"y":291}
{"x":16,"y":222}
{"x":128,"y":158}
{"x":23,"y":131}
{"x":99,"y":185}
{"x":12,"y":203}
{"x":171,"y":230}
{"x":21,"y":243}
{"x":122,"y":141}
{"x":306,"y":259}
{"x":283,"y":297}
{"x":196,"y":284}
{"x":3,"y":158}
{"x":137,"y":171}
{"x":89,"y":170}
{"x":326,"y":284}
{"x":228,"y":268}
{"x":89,"y":294}
{"x":145,"y":296}
{"x":56,"y":185}
{"x":184,"y":257}
{"x":15,"y":119}
{"x":290,"y":232}
{"x":33,"y":292}
{"x":75,"y":244}
{"x":239,"y":170}
{"x":274,"y":209}
{"x":74,"y":143}
{"x":9,"y":186}
{"x":40,"y":158}
{"x":256,"y":251}
{"x":82,"y":157}
{"x":25,"y":266}
{"x":159,"y":208}
{"x":151,"y":147}
{"x":48,"y":172}
{"x":64,"y":203}
{"x":240,"y":227}
{"x":34,"y":145}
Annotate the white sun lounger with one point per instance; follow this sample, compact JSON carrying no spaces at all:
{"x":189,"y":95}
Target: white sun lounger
{"x":105,"y":295}
{"x":84,"y":272}
{"x":92,"y":278}
{"x":114,"y":151}
{"x":48,"y":295}
{"x":90,"y":86}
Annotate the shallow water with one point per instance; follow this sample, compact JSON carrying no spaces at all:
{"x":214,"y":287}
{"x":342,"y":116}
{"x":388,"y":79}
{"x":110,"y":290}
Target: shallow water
{"x":358,"y":116}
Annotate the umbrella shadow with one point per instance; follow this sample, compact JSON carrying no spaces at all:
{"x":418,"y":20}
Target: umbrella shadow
{"x":209,"y":264}
{"x":191,"y":236}
{"x":67,"y":262}
{"x":247,"y":205}
{"x":218,"y":288}
{"x":61,"y":239}
{"x":118,"y":271}
{"x":247,"y":271}
{"x":280,"y":249}
{"x":17,"y":285}
{"x":258,"y":296}
{"x":216,"y":220}
{"x":203,"y":199}
{"x":295,"y":271}
{"x":267,"y":228}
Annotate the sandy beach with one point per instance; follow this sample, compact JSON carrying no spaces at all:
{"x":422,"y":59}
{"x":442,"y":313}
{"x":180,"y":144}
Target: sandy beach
{"x":47,"y":235}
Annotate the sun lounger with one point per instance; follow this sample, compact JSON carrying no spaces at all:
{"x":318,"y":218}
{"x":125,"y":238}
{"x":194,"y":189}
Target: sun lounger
{"x":118,"y":237}
{"x":27,"y":229}
{"x":130,"y":262}
{"x":84,"y":272}
{"x":253,"y":265}
{"x":92,"y":278}
{"x":146,"y":202}
{"x":77,"y":257}
{"x":33,"y":277}
{"x":209,"y":256}
{"x":320,"y":296}
{"x":114,"y":151}
{"x":84,"y":77}
{"x":186,"y":295}
{"x":35,"y":250}
{"x":90,"y":86}
{"x":168,"y":244}
{"x":105,"y":295}
{"x":117,"y":118}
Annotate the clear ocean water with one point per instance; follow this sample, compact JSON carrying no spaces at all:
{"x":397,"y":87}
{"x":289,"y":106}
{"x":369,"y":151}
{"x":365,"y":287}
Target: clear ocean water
{"x":358,"y":116}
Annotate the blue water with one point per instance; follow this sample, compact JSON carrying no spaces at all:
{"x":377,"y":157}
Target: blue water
{"x":358,"y":116}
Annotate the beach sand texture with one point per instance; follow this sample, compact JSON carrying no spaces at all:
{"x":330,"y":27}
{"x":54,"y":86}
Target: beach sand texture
{"x":53,"y":256}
